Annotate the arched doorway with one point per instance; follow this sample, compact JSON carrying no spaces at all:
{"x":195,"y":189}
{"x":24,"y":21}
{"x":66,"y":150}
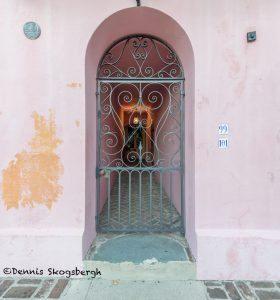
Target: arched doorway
{"x":140,"y":134}
{"x":163,"y":26}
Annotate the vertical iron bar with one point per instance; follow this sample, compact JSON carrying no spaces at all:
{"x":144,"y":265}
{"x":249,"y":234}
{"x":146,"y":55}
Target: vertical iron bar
{"x":182,"y":158}
{"x":98,"y":155}
{"x":119,"y":195}
{"x":160,"y":172}
{"x":140,"y":196}
{"x":151,"y":191}
{"x":170,"y":196}
{"x":109,"y":196}
{"x":129,"y":196}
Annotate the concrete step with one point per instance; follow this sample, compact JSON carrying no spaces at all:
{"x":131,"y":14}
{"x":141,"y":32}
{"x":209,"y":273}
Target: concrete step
{"x":141,"y":257}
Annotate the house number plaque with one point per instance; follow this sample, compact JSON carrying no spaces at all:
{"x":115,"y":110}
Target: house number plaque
{"x":31,"y":30}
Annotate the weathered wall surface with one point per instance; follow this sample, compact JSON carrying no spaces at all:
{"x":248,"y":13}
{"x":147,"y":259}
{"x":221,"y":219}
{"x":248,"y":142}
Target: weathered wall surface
{"x":232,"y":195}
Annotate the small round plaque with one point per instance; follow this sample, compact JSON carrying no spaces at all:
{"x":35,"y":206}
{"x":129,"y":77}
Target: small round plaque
{"x":31,"y":30}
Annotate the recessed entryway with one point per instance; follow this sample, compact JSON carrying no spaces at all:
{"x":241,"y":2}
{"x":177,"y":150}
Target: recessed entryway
{"x":140,"y":148}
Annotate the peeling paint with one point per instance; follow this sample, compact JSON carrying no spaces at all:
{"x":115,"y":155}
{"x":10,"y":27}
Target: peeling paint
{"x":203,"y":102}
{"x":74,"y":85}
{"x":278,"y":137}
{"x":32,"y":177}
{"x":233,"y":257}
{"x":271,"y":176}
{"x":77,"y":122}
{"x":239,"y":90}
{"x":233,"y":63}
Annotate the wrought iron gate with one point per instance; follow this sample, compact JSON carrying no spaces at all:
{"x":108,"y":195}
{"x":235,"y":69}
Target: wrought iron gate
{"x":140,"y":163}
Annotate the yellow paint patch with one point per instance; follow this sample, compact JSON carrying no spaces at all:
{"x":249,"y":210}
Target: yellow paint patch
{"x":74,"y":85}
{"x":33,"y":176}
{"x":77,"y":122}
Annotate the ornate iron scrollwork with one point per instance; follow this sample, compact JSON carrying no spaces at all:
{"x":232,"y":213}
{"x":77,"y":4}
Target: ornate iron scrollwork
{"x":157,"y":108}
{"x":132,"y":57}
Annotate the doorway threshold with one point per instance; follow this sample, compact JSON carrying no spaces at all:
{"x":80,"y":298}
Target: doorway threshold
{"x":141,"y":256}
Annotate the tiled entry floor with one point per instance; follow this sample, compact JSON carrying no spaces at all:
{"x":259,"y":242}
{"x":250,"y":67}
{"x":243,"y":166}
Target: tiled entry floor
{"x":137,"y":215}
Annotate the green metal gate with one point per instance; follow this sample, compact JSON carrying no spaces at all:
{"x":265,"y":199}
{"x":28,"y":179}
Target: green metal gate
{"x":140,"y":159}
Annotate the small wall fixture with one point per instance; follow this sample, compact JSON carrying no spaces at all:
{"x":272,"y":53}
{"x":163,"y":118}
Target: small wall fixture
{"x":31,"y":30}
{"x":251,"y":36}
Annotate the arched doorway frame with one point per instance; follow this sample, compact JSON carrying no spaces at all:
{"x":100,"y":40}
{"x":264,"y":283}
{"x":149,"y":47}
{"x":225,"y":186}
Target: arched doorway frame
{"x":166,"y":28}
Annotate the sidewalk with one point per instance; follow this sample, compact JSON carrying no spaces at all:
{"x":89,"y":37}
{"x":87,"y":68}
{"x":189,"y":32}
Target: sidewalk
{"x":101,"y":289}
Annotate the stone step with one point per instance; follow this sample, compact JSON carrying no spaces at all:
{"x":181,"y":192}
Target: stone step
{"x":141,"y":257}
{"x":172,"y":270}
{"x":144,"y":271}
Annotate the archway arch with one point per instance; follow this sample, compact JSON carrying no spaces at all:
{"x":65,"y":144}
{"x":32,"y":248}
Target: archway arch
{"x":113,"y":28}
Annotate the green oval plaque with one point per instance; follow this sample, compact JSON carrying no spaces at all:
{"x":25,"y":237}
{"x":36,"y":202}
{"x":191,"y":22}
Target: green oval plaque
{"x":31,"y":30}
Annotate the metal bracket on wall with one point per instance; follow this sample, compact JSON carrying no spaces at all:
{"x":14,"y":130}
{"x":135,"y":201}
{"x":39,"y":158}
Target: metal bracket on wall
{"x":251,"y":36}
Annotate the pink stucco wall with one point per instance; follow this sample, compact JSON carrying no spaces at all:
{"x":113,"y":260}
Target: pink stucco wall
{"x":232,"y":196}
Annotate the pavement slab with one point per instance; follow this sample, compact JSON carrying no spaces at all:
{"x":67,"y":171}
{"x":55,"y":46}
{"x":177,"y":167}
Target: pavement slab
{"x":152,"y":290}
{"x":119,"y":289}
{"x":20,"y":292}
